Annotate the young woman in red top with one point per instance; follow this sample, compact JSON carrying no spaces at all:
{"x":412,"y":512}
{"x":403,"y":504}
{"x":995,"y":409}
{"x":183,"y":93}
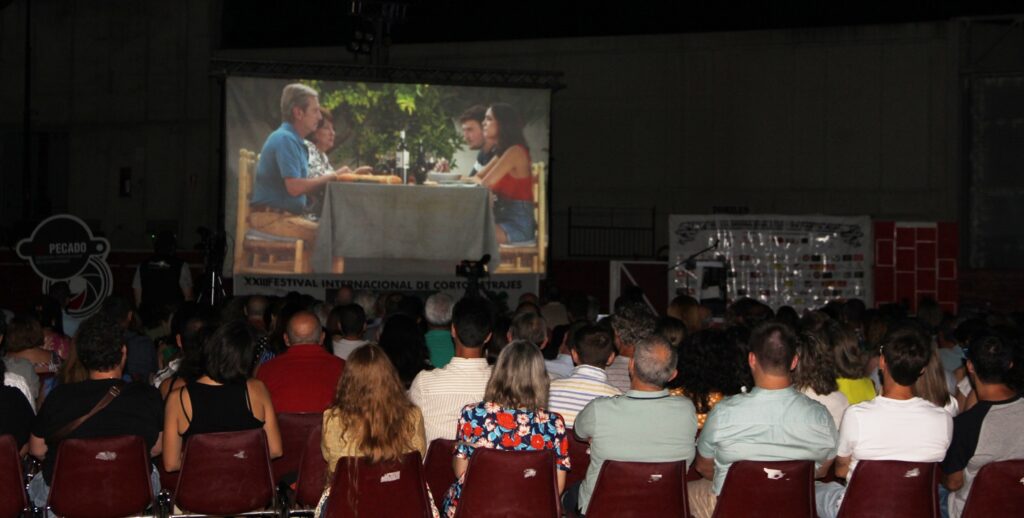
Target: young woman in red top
{"x":508,"y":175}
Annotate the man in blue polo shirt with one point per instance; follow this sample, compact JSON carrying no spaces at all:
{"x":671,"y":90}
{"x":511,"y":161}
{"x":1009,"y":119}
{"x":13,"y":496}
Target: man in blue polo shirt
{"x":281,"y":184}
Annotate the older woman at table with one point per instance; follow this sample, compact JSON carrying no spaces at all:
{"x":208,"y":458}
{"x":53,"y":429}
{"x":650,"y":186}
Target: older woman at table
{"x":318,"y":144}
{"x":508,"y":175}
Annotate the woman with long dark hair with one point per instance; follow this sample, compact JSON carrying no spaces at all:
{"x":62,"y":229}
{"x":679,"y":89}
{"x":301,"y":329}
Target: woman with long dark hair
{"x":509,"y":175}
{"x":712,"y":365}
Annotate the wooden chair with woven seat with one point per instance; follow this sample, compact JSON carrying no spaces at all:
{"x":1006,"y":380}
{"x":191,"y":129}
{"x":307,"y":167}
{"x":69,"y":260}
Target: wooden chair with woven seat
{"x":528,"y":257}
{"x":259,"y":252}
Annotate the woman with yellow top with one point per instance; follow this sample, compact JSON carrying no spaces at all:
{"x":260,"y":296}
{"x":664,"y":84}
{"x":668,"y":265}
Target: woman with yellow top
{"x":851,"y":362}
{"x":371,"y":415}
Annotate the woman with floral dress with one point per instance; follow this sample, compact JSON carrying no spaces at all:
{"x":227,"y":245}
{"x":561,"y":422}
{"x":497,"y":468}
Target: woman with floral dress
{"x":512,"y":416}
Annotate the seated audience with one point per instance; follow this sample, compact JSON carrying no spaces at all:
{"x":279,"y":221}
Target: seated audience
{"x":120,"y":409}
{"x":352,"y":319}
{"x":24,"y":354}
{"x":370,"y":416}
{"x":11,"y":379}
{"x":256,"y":309}
{"x":190,"y":334}
{"x":224,"y":399}
{"x":499,"y":338}
{"x":438,"y":310}
{"x":305,"y":377}
{"x":441,"y":393}
{"x":932,"y":385}
{"x":815,"y":376}
{"x":990,"y":430}
{"x":772,"y":422}
{"x":403,"y":341}
{"x":851,"y":362}
{"x":643,"y":426}
{"x":686,"y":309}
{"x":633,"y":321}
{"x":592,"y":352}
{"x":711,"y":366}
{"x":142,"y":362}
{"x":893,"y":426}
{"x":512,"y":416}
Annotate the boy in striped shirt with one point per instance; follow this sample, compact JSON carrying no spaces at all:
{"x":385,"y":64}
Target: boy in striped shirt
{"x":593,"y":349}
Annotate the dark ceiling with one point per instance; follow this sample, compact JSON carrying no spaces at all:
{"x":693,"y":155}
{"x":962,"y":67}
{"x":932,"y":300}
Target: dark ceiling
{"x":264,"y":24}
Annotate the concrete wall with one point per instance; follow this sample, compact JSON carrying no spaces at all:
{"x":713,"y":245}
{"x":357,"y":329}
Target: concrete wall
{"x":834,"y":121}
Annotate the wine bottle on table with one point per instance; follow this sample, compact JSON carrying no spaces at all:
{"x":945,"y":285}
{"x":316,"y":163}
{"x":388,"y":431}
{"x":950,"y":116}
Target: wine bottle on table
{"x":402,"y":158}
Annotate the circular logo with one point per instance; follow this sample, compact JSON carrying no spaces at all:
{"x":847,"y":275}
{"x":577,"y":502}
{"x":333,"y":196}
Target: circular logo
{"x":61,"y":246}
{"x":88,"y":289}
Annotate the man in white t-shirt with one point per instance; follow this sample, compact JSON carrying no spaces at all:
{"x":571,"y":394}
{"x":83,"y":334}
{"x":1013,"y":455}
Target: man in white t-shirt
{"x":893,"y":426}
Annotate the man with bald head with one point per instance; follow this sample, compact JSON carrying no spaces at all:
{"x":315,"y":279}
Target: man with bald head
{"x":643,"y":425}
{"x":305,"y":377}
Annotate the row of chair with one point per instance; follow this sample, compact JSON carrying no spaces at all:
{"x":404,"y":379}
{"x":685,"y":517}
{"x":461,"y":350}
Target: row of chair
{"x":230,"y":474}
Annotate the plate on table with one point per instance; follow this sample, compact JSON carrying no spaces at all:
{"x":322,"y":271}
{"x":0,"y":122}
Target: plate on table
{"x":443,"y":178}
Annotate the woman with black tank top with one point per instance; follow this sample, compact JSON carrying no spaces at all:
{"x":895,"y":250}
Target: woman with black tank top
{"x":224,"y":399}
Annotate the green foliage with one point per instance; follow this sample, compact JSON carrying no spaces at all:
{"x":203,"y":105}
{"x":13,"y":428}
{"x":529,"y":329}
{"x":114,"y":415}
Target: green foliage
{"x":369,"y":117}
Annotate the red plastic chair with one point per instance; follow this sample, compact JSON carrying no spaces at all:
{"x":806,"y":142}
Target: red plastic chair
{"x":13,"y":500}
{"x":892,"y":488}
{"x":295,"y":430}
{"x":579,"y":458}
{"x":312,"y":471}
{"x":751,"y":488}
{"x":997,"y":490}
{"x":437,"y":469}
{"x":226,"y":473}
{"x":510,"y":483}
{"x":640,"y":490}
{"x":101,"y":477}
{"x":384,"y":490}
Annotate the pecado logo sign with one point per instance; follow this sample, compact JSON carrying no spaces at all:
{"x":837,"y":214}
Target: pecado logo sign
{"x":62,"y":248}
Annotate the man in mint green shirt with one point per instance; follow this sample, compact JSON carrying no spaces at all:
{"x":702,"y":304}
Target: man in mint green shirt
{"x":645,"y":424}
{"x":773,"y":422}
{"x":438,"y":310}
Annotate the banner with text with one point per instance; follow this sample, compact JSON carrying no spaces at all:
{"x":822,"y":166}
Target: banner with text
{"x":505,"y":288}
{"x":798,"y":261}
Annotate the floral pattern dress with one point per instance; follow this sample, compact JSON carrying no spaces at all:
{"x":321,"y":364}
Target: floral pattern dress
{"x":489,"y":425}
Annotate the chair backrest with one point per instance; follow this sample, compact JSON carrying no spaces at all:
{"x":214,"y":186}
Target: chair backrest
{"x":640,"y":489}
{"x":437,"y":468}
{"x":246,"y":174}
{"x":579,"y":457}
{"x":362,"y":488}
{"x":12,"y":482}
{"x":312,"y":470}
{"x":510,"y":483}
{"x":540,"y":198}
{"x":892,"y":488}
{"x":225,"y":473}
{"x":786,"y":488}
{"x":998,"y":490}
{"x":104,"y":476}
{"x":295,"y":430}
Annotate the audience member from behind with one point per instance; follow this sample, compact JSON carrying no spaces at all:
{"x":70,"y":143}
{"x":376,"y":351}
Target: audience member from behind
{"x":11,"y":379}
{"x":352,"y":320}
{"x":711,"y":365}
{"x":672,"y":329}
{"x":23,"y":352}
{"x":499,"y":338}
{"x":131,"y":409}
{"x":191,"y":333}
{"x":687,"y":310}
{"x":893,"y":426}
{"x":772,"y":422}
{"x":403,"y":341}
{"x":990,"y":430}
{"x":16,"y":411}
{"x":256,"y":308}
{"x":512,"y":416}
{"x":163,"y":279}
{"x":224,"y":399}
{"x":441,"y":393}
{"x":632,"y":322}
{"x":643,"y":426}
{"x":592,"y":351}
{"x":370,"y":416}
{"x":934,"y":386}
{"x":305,"y":377}
{"x":142,"y":362}
{"x":851,"y":362}
{"x":815,"y":376}
{"x":438,"y":311}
